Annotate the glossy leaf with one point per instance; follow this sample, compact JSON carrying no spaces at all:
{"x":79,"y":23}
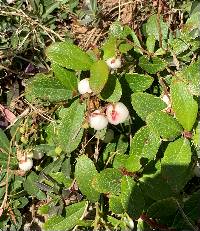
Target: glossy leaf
{"x":191,"y":210}
{"x":183,"y":104}
{"x":115,"y":205}
{"x":70,"y":129}
{"x":48,"y":88}
{"x":175,"y":163}
{"x":162,"y":208}
{"x":178,"y":46}
{"x":164,"y":125}
{"x":150,"y":43}
{"x":131,"y":197}
{"x":74,"y":213}
{"x":136,"y":42}
{"x":4,"y":142}
{"x":152,"y":66}
{"x":125,"y":47}
{"x":144,"y":145}
{"x":69,"y":55}
{"x":109,"y":48}
{"x":85,"y":171}
{"x":98,"y":76}
{"x":138,"y":82}
{"x":66,"y":77}
{"x":196,"y":136}
{"x":152,"y":27}
{"x":112,"y":90}
{"x":108,"y":181}
{"x":192,"y":75}
{"x":31,"y":187}
{"x":155,"y":187}
{"x":144,"y":104}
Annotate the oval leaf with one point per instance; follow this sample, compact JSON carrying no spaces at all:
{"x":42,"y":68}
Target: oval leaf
{"x":162,"y":208}
{"x":70,"y":129}
{"x":164,"y":125}
{"x":175,"y":163}
{"x":152,"y":66}
{"x":138,"y":82}
{"x":74,"y":213}
{"x":183,"y":104}
{"x":69,"y":55}
{"x":108,"y":181}
{"x":85,"y":172}
{"x":98,"y":76}
{"x":4,"y":142}
{"x":131,"y":197}
{"x":144,"y":144}
{"x":144,"y":104}
{"x":47,"y":88}
{"x":66,"y":77}
{"x":192,"y":75}
{"x":115,"y":205}
{"x":112,"y":91}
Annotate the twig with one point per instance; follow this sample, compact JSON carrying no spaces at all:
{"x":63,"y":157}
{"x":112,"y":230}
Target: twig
{"x":8,"y":69}
{"x":3,"y":205}
{"x":119,"y":11}
{"x":158,"y":23}
{"x":33,"y":22}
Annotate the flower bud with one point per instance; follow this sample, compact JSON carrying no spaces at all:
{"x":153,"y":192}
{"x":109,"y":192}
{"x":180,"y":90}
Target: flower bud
{"x":26,"y":165}
{"x":97,"y":120}
{"x":117,"y":113}
{"x":84,"y":86}
{"x":114,"y":63}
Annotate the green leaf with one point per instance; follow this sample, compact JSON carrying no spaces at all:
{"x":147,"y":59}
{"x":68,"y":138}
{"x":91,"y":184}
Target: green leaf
{"x":115,"y":205}
{"x":192,"y":23}
{"x":120,"y":160}
{"x":109,"y":48}
{"x":144,"y":104}
{"x":85,"y":171}
{"x":31,"y":187}
{"x":162,"y":208}
{"x":175,"y":163}
{"x":108,"y":181}
{"x":196,"y":136}
{"x":116,"y":30}
{"x":98,"y":76}
{"x":66,"y":77}
{"x":136,"y":42}
{"x":144,"y":145}
{"x":152,"y":27}
{"x":152,"y":66}
{"x":125,"y":47}
{"x":192,"y":75}
{"x":191,"y":210}
{"x":183,"y":104}
{"x":164,"y":125}
{"x":61,"y":179}
{"x":69,"y":55}
{"x":47,"y":88}
{"x":131,"y":197}
{"x":112,"y":90}
{"x":70,"y":129}
{"x":138,"y":82}
{"x":150,"y":43}
{"x":4,"y":142}
{"x":178,"y":46}
{"x":74,"y":213}
{"x":155,"y":187}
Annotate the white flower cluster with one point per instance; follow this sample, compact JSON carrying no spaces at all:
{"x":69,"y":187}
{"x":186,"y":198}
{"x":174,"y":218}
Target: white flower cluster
{"x":26,"y":162}
{"x":115,"y":114}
